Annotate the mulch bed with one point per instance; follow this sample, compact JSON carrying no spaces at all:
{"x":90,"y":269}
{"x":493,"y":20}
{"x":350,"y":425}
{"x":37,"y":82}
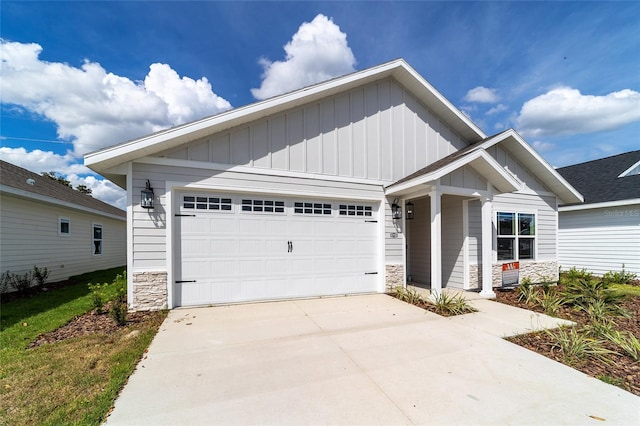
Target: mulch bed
{"x":621,"y":370}
{"x":90,"y":323}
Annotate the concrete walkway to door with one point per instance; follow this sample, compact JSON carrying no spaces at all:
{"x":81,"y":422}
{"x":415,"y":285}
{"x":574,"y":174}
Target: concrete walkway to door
{"x":353,"y":360}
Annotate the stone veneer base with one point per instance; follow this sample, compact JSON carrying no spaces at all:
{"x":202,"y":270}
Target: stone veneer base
{"x":149,"y":291}
{"x":394,"y":276}
{"x":537,"y":272}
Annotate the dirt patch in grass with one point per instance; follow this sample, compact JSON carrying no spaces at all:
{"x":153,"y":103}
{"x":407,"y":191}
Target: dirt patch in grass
{"x":620,"y":370}
{"x":91,"y":323}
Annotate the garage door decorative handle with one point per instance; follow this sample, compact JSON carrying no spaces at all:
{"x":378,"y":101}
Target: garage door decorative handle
{"x":186,"y":281}
{"x":289,"y":246}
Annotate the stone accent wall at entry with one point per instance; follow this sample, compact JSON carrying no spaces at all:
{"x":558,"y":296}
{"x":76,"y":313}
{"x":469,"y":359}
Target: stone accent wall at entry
{"x":537,"y":272}
{"x":394,"y":276}
{"x":149,"y":291}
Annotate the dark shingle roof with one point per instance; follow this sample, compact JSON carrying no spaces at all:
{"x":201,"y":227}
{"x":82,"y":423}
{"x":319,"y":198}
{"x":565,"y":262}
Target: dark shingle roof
{"x":16,"y":177}
{"x":598,"y":180}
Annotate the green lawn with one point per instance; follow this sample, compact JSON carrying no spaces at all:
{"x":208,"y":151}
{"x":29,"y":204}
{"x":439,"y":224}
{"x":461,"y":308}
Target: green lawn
{"x":74,"y":381}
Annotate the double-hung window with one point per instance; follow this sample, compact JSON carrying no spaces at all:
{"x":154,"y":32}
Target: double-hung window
{"x":516,"y":236}
{"x":97,"y":239}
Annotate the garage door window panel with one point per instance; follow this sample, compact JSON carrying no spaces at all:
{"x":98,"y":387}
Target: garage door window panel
{"x":205,"y":203}
{"x":312,"y":208}
{"x":355,"y":210}
{"x":263,"y":206}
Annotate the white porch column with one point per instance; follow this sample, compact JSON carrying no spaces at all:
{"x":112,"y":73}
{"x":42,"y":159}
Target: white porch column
{"x":487,"y":252}
{"x":436,"y":243}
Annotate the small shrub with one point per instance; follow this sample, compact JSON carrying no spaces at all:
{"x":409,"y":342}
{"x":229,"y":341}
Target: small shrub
{"x":621,"y":277}
{"x":626,"y":341}
{"x":118,"y":309}
{"x":576,"y":345}
{"x":550,"y":302}
{"x":97,"y":296}
{"x":40,"y":275}
{"x":118,"y":312}
{"x":408,"y":295}
{"x":577,"y":274}
{"x":22,"y":283}
{"x":451,"y":304}
{"x":7,"y":280}
{"x":527,"y":293}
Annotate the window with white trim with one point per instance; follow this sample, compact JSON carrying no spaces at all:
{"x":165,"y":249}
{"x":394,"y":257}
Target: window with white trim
{"x":97,"y":239}
{"x":64,"y":226}
{"x":516,"y":236}
{"x":264,"y":206}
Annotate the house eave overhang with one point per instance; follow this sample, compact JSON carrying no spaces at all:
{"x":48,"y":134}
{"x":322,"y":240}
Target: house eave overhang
{"x":108,"y":158}
{"x":537,"y":165}
{"x":55,"y":202}
{"x":606,"y":204}
{"x":478,"y":159}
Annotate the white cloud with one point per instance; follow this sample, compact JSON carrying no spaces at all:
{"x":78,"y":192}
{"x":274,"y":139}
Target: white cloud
{"x":541,"y":146}
{"x":94,"y":108}
{"x":565,"y":111}
{"x":483,"y":95}
{"x":317,"y":52}
{"x":39,"y":161}
{"x":496,"y":109}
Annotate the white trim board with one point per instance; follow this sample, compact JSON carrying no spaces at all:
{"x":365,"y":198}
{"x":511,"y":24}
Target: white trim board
{"x":606,"y":204}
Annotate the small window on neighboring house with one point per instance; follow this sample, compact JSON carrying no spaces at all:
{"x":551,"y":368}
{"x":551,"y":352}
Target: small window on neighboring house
{"x":64,"y":226}
{"x":516,"y":236}
{"x":97,"y":239}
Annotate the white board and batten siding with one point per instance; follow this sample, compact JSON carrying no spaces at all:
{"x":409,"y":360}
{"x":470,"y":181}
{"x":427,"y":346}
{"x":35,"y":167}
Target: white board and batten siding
{"x":378,"y":132}
{"x":29,"y":236}
{"x":600,"y":240}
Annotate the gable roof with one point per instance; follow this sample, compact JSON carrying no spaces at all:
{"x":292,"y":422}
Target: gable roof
{"x":104,"y":160}
{"x":514,"y":143}
{"x":473,"y":156}
{"x":601,"y":180}
{"x":13,"y":180}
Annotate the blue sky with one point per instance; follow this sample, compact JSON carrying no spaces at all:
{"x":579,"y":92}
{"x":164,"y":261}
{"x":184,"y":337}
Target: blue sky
{"x":78,"y":76}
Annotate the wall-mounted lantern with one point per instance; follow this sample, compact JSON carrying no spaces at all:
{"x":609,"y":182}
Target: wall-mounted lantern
{"x":396,"y":210}
{"x":409,"y":207}
{"x":146,"y":196}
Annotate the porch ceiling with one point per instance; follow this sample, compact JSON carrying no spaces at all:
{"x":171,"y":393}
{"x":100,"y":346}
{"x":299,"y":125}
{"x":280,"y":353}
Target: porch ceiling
{"x":477,"y":158}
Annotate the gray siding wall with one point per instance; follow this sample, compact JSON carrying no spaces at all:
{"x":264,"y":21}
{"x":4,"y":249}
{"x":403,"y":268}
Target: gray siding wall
{"x":378,"y":131}
{"x":600,"y":240}
{"x":508,"y":161}
{"x":452,"y":242}
{"x":149,"y":227}
{"x":29,"y":237}
{"x":465,"y":177}
{"x":419,"y":251}
{"x":547,"y":219}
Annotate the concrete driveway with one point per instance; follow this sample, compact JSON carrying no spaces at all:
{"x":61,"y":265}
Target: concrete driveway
{"x":353,"y":360}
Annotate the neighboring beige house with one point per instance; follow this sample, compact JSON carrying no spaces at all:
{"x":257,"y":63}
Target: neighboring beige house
{"x":308,"y":194}
{"x":603,"y":233}
{"x":46,"y":224}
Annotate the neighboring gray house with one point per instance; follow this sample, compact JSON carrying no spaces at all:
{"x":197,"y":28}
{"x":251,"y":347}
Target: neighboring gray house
{"x":603,"y":234}
{"x":46,"y":224}
{"x":300,"y":196}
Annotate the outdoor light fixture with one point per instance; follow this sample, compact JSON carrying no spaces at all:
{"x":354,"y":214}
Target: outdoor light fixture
{"x":396,"y":210}
{"x":146,"y":196}
{"x":409,"y":207}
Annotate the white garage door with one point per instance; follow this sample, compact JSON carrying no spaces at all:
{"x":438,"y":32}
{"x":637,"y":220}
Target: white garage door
{"x":245,"y":248}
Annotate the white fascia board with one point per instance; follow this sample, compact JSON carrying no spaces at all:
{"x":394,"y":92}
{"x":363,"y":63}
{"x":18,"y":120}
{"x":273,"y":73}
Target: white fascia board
{"x":606,"y":204}
{"x":498,"y":174}
{"x":570,"y":193}
{"x":190,"y":164}
{"x":50,"y":200}
{"x":626,"y":172}
{"x":175,"y":136}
